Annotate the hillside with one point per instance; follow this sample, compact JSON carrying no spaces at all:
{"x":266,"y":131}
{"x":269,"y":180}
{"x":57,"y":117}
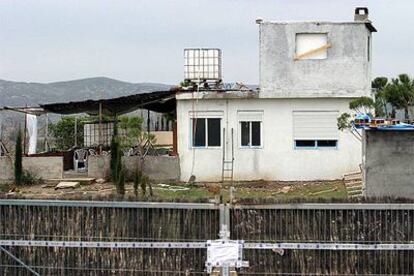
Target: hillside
{"x":22,"y":93}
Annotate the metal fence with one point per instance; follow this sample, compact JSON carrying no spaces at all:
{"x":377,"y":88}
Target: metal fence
{"x":128,"y":238}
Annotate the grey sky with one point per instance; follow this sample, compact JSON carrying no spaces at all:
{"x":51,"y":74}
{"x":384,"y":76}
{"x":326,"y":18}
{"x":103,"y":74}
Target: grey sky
{"x":143,"y":41}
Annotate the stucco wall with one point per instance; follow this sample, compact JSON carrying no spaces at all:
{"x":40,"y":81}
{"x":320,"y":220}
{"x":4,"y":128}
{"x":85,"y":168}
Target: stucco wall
{"x":98,"y":166}
{"x":6,"y":168}
{"x":160,"y":168}
{"x":277,"y":159}
{"x":44,"y":167}
{"x":389,"y":163}
{"x":50,"y":167}
{"x":345,"y":73}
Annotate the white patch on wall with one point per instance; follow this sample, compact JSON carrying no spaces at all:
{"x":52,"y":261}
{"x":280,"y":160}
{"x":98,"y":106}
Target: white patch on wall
{"x":310,"y":125}
{"x":309,"y":43}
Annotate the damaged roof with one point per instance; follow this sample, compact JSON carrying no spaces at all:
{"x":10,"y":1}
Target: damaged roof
{"x":159,"y":101}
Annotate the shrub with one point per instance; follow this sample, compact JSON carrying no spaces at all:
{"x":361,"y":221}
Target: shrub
{"x":29,"y":178}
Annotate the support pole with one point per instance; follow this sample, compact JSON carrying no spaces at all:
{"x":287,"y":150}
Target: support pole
{"x":24,"y":134}
{"x":76,"y":131}
{"x":47,"y":133}
{"x":19,"y":261}
{"x":100,"y":128}
{"x":148,"y":122}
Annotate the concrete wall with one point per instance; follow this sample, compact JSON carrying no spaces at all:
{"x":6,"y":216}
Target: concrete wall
{"x":160,"y":168}
{"x":389,"y":163}
{"x":44,"y":167}
{"x":50,"y":167}
{"x":277,"y":159}
{"x":99,"y":166}
{"x":6,"y":168}
{"x":345,"y":73}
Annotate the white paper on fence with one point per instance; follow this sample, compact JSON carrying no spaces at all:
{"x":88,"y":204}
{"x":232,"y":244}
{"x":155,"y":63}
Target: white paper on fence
{"x":31,"y":122}
{"x":223,"y":253}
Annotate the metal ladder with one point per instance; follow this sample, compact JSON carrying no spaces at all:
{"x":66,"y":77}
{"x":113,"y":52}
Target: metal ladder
{"x":228,"y":164}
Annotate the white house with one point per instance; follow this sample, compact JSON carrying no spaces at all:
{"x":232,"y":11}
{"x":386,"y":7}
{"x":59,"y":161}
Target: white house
{"x":286,"y":130}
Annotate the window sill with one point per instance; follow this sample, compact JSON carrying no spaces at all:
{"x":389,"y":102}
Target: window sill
{"x":315,"y":148}
{"x":191,"y":148}
{"x":247,"y":148}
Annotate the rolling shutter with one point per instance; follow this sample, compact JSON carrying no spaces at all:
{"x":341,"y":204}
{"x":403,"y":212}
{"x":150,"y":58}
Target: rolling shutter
{"x":314,"y":125}
{"x":250,"y":116}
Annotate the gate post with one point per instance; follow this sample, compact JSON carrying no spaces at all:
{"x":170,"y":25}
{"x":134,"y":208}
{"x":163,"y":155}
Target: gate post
{"x":224,"y":233}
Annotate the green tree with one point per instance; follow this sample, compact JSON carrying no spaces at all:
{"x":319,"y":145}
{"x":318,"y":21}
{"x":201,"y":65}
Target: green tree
{"x":378,"y":85}
{"x":400,"y":93}
{"x":64,"y":131}
{"x":363,"y":105}
{"x":18,"y":166}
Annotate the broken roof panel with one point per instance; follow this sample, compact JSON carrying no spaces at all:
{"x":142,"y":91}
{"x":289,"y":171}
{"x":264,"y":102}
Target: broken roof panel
{"x":159,"y":101}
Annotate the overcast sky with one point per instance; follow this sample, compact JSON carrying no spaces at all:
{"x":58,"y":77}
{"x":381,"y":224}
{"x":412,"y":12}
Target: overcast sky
{"x":143,"y":41}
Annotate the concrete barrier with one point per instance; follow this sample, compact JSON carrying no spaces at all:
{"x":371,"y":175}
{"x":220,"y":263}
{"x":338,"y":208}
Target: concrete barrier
{"x":388,"y":163}
{"x":159,"y":168}
{"x":45,"y":167}
{"x":6,"y":168}
{"x":48,"y":167}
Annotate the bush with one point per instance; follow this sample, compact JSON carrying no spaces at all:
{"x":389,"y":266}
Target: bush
{"x":29,"y":178}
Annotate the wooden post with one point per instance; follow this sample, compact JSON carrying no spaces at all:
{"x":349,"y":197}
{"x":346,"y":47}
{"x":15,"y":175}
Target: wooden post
{"x":148,"y":122}
{"x":24,"y":134}
{"x":47,"y":133}
{"x":76,"y":131}
{"x":100,"y":128}
{"x":175,"y":143}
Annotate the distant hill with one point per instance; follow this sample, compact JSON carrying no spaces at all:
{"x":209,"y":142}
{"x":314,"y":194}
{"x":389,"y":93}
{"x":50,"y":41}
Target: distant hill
{"x":32,"y":94}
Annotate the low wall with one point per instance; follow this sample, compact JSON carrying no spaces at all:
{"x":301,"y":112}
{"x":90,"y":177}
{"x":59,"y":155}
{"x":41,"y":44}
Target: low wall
{"x":98,"y":166}
{"x":160,"y":168}
{"x":6,"y":168}
{"x":389,"y":163}
{"x":45,"y":167}
{"x":48,"y":167}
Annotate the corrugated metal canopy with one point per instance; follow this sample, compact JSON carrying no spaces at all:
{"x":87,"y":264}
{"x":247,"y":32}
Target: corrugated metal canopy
{"x":159,"y":101}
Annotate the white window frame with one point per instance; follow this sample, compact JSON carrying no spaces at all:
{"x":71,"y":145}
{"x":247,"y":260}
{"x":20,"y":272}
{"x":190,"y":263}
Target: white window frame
{"x":250,"y":146}
{"x":316,"y":147}
{"x":259,"y":115}
{"x":191,"y":138}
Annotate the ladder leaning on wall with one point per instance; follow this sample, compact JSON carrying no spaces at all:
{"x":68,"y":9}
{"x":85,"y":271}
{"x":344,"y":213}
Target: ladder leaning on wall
{"x":228,"y":163}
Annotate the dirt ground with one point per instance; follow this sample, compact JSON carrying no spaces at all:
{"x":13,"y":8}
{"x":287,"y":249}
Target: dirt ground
{"x":183,"y":191}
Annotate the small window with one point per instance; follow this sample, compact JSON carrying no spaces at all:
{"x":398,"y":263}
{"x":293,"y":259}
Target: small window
{"x":206,"y":132}
{"x":326,"y":143}
{"x":250,"y":134}
{"x":311,"y":46}
{"x":369,"y":48}
{"x":316,"y":143}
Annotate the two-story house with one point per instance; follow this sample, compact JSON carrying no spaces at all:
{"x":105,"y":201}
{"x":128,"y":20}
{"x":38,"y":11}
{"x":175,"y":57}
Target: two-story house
{"x":286,"y":130}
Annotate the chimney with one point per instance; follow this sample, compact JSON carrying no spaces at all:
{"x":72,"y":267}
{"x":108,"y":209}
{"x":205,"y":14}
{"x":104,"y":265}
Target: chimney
{"x":361,"y":14}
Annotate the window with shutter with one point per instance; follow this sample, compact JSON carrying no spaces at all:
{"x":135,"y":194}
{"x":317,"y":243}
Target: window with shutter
{"x":315,"y":129}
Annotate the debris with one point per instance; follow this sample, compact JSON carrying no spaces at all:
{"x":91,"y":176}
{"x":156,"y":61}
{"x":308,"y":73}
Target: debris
{"x":324,"y":191}
{"x":47,"y":186}
{"x":285,"y":189}
{"x":171,"y":187}
{"x":66,"y":185}
{"x":100,"y":180}
{"x":279,"y":251}
{"x":191,"y":180}
{"x":213,"y":188}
